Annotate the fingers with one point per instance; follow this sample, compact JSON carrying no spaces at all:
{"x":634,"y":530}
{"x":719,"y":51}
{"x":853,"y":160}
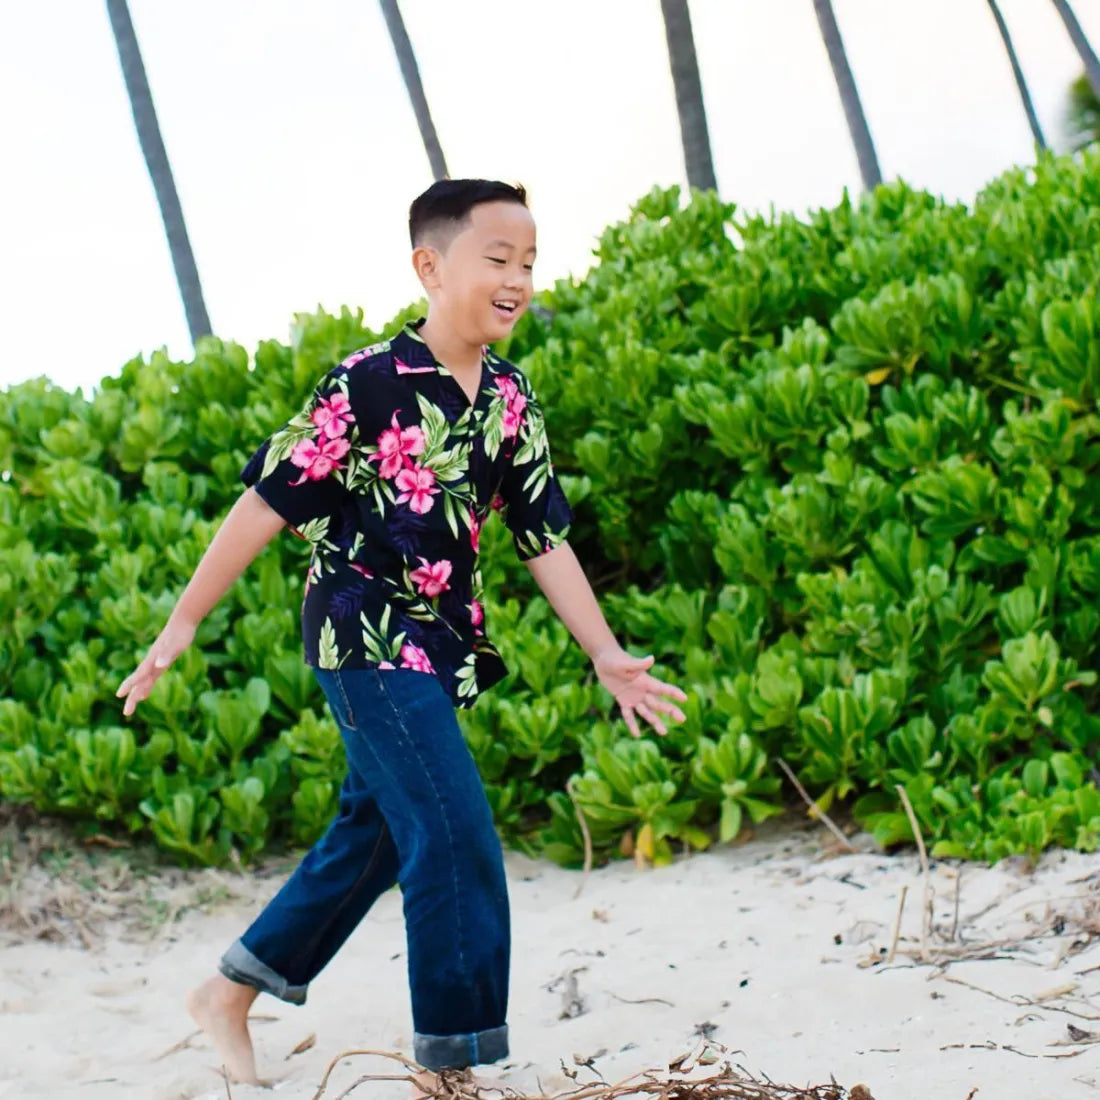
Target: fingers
{"x":131,"y":703}
{"x":656,"y":703}
{"x":630,"y":720}
{"x":651,"y":717}
{"x":139,"y":683}
{"x":651,"y":683}
{"x":670,"y":690}
{"x":629,"y":665}
{"x":139,"y":673}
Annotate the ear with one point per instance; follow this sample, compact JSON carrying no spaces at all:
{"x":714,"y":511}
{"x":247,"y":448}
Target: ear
{"x":426,"y":265}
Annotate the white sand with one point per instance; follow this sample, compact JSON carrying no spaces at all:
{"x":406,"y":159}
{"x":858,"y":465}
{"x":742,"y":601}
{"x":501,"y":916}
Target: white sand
{"x":764,"y":942}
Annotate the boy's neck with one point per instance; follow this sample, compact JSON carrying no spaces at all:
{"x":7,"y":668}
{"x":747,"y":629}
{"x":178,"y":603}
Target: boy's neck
{"x":449,"y":348}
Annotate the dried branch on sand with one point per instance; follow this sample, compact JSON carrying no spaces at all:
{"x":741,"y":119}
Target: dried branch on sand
{"x":681,"y":1080}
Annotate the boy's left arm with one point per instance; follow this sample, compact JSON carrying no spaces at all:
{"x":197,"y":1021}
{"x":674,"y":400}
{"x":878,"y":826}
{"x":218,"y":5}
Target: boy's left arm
{"x":562,"y":580}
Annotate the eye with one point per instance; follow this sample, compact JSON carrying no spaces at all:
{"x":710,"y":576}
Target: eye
{"x":495,"y":260}
{"x":529,"y":267}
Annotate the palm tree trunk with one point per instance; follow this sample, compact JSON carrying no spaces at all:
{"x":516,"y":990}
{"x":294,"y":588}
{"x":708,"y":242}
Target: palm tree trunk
{"x":849,"y":95}
{"x":1018,"y":73}
{"x":160,"y":171}
{"x":684,"y":63}
{"x":1081,"y":45}
{"x":410,"y":71}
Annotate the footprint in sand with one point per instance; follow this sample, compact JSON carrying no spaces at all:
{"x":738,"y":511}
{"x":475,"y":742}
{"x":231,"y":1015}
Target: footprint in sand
{"x":118,"y":989}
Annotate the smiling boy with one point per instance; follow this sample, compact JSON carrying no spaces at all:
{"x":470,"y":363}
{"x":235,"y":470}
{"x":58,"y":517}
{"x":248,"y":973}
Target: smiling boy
{"x":389,"y":471}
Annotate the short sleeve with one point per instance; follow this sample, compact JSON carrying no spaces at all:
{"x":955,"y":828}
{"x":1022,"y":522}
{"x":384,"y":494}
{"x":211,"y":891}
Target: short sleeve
{"x":300,"y":471}
{"x":535,"y":507}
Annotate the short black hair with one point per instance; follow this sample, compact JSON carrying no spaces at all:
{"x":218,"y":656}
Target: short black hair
{"x":446,"y":205}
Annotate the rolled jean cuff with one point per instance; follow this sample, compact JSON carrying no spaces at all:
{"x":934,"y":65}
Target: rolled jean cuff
{"x":437,"y":1052}
{"x":238,"y":964}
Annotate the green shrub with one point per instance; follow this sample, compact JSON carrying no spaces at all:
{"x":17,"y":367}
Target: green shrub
{"x":837,"y":473}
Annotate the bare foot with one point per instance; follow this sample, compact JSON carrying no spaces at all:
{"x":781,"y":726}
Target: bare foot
{"x":220,"y":1007}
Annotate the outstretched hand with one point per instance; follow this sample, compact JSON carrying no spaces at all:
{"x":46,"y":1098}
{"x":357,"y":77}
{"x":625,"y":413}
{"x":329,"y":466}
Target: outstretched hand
{"x":635,"y":691}
{"x":171,"y":642}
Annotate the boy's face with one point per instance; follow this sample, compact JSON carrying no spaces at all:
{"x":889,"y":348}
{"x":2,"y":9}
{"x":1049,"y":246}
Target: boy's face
{"x":482,"y":280}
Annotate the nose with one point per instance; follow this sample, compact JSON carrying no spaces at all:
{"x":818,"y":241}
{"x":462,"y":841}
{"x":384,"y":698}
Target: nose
{"x":516,"y":278}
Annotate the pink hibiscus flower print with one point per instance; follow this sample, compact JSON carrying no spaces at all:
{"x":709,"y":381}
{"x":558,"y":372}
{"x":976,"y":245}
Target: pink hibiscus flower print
{"x":507,"y":387}
{"x":394,"y":444}
{"x":477,"y":615}
{"x":497,"y":503}
{"x":412,"y":656}
{"x":511,"y":423}
{"x":431,"y":579}
{"x":386,"y":664}
{"x":475,"y":531}
{"x":318,"y":457}
{"x":332,"y":416}
{"x":515,"y":403}
{"x":417,"y":485}
{"x":361,"y":569}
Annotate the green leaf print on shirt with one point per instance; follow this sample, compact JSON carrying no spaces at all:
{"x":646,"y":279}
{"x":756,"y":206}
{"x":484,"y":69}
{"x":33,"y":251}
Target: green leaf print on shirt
{"x":435,"y":428}
{"x":467,"y":677}
{"x":535,"y":446}
{"x":493,"y":428}
{"x":377,"y":643}
{"x":328,"y":653}
{"x":452,"y":464}
{"x":316,"y":530}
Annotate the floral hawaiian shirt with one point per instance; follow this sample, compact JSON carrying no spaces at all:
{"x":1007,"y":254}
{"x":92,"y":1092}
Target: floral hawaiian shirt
{"x":389,"y":472}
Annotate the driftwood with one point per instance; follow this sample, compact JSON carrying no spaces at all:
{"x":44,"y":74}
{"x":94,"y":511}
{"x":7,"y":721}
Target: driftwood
{"x":681,"y":1079}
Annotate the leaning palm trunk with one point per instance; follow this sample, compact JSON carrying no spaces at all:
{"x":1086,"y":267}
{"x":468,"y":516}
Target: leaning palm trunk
{"x":849,"y":95}
{"x":410,"y":71}
{"x":156,"y":160}
{"x":1081,"y":45}
{"x":1018,"y":73}
{"x":684,"y":63}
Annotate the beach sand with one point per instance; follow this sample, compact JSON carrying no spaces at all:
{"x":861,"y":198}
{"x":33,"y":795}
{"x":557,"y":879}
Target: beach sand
{"x":778,"y":948}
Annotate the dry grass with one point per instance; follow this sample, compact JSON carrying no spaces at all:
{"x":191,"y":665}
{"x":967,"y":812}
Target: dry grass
{"x":58,"y":887}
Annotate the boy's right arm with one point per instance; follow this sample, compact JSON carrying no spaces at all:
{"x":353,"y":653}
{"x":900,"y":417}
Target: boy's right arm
{"x":250,"y":525}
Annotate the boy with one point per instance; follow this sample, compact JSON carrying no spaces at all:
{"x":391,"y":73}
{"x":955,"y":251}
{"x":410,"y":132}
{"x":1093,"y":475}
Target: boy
{"x":390,"y":471}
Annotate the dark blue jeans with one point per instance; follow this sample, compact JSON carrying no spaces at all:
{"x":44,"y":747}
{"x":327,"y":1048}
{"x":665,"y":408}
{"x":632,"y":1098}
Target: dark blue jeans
{"x":412,"y":811}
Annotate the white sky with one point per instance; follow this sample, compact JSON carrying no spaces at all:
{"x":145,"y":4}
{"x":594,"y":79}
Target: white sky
{"x":296,"y":153}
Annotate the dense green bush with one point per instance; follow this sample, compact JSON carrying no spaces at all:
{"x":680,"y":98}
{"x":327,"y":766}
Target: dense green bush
{"x":838,"y":474}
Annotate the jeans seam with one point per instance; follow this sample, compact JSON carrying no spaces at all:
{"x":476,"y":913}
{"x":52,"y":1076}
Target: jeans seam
{"x":314,"y":943}
{"x":344,"y":696}
{"x":446,"y":819}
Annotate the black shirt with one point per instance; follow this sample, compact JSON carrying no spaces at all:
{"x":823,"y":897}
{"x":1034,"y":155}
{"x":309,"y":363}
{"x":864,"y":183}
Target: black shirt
{"x":390,"y":473}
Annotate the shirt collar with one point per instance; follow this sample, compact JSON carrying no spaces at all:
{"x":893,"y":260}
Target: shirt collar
{"x":411,"y":329}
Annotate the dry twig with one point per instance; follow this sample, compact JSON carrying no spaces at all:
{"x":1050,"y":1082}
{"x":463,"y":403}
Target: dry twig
{"x":183,"y":1044}
{"x":641,"y":1000}
{"x":929,"y":893}
{"x":585,"y":833}
{"x":958,"y":889}
{"x":1019,"y":1000}
{"x":815,"y":809}
{"x":725,"y":1083}
{"x":897,"y":923}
